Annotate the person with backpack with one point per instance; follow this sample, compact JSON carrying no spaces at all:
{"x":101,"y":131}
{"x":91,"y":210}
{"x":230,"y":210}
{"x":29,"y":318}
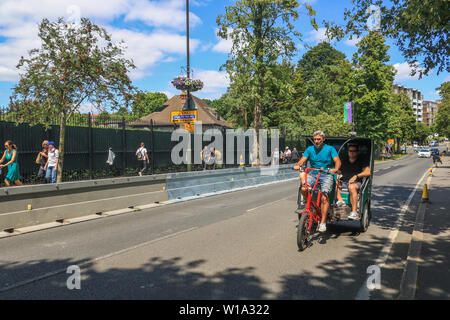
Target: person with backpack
{"x":142,"y":157}
{"x":51,"y":166}
{"x":41,"y":160}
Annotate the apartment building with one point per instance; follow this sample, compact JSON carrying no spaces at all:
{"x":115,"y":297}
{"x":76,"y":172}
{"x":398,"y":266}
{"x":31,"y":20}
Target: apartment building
{"x":416,"y":98}
{"x":430,"y":109}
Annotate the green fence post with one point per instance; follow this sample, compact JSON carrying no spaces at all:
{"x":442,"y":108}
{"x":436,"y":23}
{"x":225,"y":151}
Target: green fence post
{"x":124,"y":148}
{"x":90,"y":146}
{"x":152,"y":136}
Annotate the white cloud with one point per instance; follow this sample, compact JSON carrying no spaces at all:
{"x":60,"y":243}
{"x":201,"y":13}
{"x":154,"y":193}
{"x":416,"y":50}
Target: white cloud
{"x":168,"y":13}
{"x":213,"y":80}
{"x":317,"y":35}
{"x":147,"y":49}
{"x":404,"y":72}
{"x":19,"y":21}
{"x":224,"y":45}
{"x":353,"y":42}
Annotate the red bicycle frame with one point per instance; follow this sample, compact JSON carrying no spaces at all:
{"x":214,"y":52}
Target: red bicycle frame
{"x":317,"y":215}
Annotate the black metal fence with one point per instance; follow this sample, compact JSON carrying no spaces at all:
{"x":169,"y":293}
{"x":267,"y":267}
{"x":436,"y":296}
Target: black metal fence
{"x":88,"y":140}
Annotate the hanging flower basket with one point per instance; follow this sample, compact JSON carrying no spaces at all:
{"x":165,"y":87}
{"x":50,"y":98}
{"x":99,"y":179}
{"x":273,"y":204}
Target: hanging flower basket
{"x":185,"y":84}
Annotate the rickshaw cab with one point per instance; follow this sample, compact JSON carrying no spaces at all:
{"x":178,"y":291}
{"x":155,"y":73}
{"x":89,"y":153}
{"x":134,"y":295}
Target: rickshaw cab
{"x":366,"y":150}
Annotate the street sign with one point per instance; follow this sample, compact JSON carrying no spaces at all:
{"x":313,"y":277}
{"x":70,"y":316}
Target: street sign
{"x":183,"y":116}
{"x":189,"y":127}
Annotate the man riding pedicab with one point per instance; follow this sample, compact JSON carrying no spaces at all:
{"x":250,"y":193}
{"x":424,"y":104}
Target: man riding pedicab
{"x":320,"y":156}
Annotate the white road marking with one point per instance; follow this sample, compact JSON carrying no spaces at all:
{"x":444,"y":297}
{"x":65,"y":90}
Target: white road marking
{"x":410,"y":272}
{"x":53,"y":273}
{"x":364,"y":293}
{"x":258,"y":207}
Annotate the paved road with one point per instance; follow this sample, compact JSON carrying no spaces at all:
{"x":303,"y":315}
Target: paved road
{"x":240,"y":245}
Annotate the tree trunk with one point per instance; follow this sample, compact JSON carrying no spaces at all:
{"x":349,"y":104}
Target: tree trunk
{"x":257,"y":127}
{"x":62,"y":134}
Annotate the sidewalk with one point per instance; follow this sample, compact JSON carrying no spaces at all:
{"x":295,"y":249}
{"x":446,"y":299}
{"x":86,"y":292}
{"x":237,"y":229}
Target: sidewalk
{"x":433,"y":281}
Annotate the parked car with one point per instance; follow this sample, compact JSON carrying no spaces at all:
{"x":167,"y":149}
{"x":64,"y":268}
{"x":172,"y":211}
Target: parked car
{"x":433,"y":144}
{"x":434,"y":151}
{"x":424,"y":153}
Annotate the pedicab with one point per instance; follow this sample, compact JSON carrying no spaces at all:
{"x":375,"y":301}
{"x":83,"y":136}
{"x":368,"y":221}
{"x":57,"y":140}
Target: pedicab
{"x":310,"y":217}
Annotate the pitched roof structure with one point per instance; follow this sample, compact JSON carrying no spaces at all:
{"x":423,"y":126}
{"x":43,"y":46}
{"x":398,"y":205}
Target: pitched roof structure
{"x":207,"y":115}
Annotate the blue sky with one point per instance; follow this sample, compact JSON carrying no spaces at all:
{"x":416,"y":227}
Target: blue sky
{"x":155,"y":35}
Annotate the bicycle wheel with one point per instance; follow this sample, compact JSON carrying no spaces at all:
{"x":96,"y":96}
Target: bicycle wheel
{"x":302,"y":232}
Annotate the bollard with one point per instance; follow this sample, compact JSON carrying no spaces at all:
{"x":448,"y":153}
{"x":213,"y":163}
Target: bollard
{"x":431,"y":171}
{"x":425,"y":197}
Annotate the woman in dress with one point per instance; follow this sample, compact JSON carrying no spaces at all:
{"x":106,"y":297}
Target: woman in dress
{"x":10,"y":155}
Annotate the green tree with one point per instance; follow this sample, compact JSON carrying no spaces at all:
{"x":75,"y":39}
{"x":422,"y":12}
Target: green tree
{"x":323,"y":54}
{"x":401,"y":119}
{"x":373,"y":87}
{"x":418,"y":27}
{"x":262,"y":34}
{"x":147,"y":103}
{"x":103,"y":117}
{"x":443,"y":115}
{"x":76,"y":64}
{"x":421,"y":132}
{"x":320,"y":86}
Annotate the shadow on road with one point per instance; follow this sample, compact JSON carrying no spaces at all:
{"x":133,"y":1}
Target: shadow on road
{"x":175,"y":278}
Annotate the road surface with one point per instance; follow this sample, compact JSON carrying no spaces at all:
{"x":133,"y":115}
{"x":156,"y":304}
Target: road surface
{"x":240,"y":245}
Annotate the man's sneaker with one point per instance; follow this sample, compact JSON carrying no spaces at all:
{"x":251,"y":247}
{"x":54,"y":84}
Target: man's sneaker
{"x":322,"y":227}
{"x":354,"y":216}
{"x":340,"y":203}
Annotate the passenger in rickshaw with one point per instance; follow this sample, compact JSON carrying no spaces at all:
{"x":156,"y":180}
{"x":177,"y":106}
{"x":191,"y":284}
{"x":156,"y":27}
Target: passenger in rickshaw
{"x":352,"y":171}
{"x":320,"y":155}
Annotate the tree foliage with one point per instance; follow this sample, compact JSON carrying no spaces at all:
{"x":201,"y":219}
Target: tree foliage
{"x":401,"y":119}
{"x":148,"y":102}
{"x":443,"y":115}
{"x":76,"y":64}
{"x":373,"y":87}
{"x":262,"y":34}
{"x":418,"y":27}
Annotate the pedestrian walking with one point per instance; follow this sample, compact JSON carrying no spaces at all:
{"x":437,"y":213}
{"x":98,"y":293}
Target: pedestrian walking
{"x":142,"y":156}
{"x":11,"y":157}
{"x":41,"y":160}
{"x":212,"y":158}
{"x":295,"y":157}
{"x":287,"y":155}
{"x":51,"y":167}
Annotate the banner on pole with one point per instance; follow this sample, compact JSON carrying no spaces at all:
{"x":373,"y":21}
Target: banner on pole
{"x":348,"y":112}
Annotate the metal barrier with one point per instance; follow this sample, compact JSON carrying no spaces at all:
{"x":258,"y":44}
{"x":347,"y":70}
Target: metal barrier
{"x":33,"y":205}
{"x":195,"y":184}
{"x":41,"y":204}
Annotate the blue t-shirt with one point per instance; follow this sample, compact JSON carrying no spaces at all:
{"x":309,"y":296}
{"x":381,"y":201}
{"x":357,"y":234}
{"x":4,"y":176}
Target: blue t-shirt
{"x":321,"y":158}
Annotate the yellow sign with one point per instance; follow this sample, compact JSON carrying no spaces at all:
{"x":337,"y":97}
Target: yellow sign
{"x":183,"y":116}
{"x":189,"y":127}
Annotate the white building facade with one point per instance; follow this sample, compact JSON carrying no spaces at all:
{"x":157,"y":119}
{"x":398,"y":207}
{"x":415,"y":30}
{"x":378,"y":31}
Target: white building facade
{"x":416,"y":98}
